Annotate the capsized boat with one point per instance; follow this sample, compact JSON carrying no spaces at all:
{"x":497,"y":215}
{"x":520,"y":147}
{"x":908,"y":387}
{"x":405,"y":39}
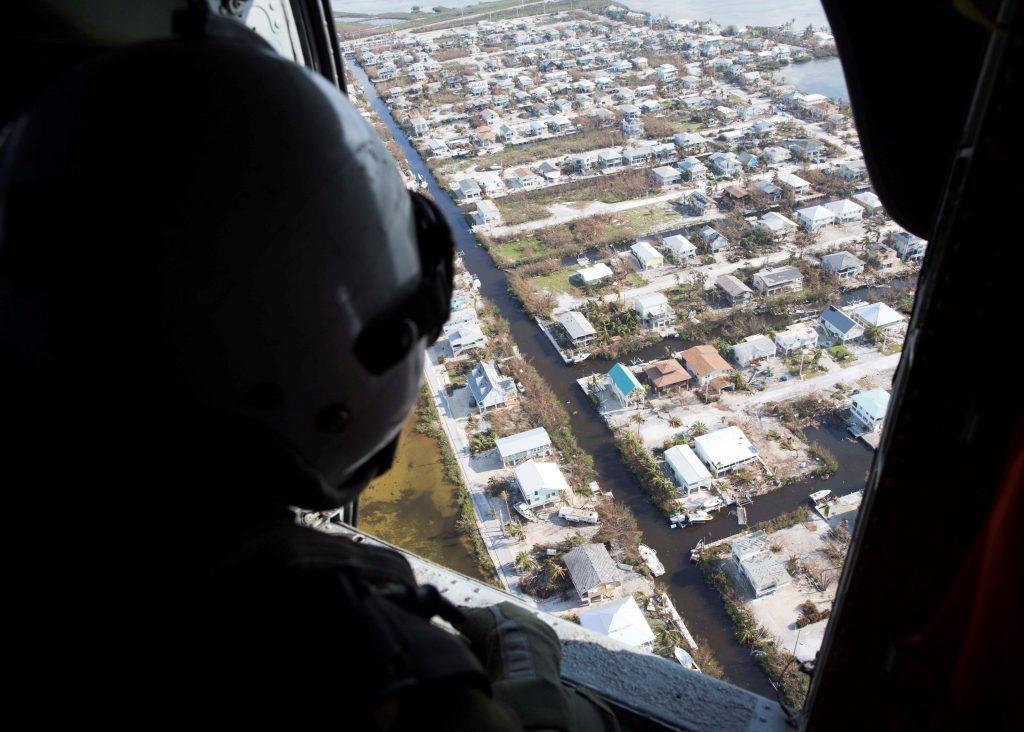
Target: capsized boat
{"x":525,"y":512}
{"x":650,"y":557}
{"x":819,"y":496}
{"x":685,"y":659}
{"x":712,"y":503}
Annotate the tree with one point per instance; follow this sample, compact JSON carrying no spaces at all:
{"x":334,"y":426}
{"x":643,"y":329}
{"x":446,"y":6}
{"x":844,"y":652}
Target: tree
{"x":698,"y":429}
{"x":525,"y":561}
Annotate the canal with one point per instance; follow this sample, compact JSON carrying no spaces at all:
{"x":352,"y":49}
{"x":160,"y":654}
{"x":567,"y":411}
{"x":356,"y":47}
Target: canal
{"x":701,"y":607}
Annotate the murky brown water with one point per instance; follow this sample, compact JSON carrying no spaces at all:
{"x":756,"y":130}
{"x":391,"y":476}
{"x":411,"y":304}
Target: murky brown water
{"x":413,"y":505}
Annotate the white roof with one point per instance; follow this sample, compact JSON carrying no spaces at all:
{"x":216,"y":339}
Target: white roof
{"x":594,"y":273}
{"x":877,"y":314}
{"x":686,"y":464}
{"x":621,"y":620}
{"x":487,"y":208}
{"x":522,"y":442}
{"x":576,"y":324}
{"x":645,"y":252}
{"x":534,"y":476}
{"x":725,"y":447}
{"x":793,"y":181}
{"x":844,"y":207}
{"x":650,"y":302}
{"x":466,"y":333}
{"x":680,"y":245}
{"x":776,"y":221}
{"x":868,"y":199}
{"x":816,"y":213}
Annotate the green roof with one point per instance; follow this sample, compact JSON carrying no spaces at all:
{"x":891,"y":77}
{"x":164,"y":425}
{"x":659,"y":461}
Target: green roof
{"x":624,"y":379}
{"x":874,"y":402}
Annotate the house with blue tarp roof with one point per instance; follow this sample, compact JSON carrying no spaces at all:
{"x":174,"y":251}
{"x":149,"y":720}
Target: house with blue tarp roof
{"x":627,"y":388}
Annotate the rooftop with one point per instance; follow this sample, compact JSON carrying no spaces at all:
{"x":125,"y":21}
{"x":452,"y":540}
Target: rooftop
{"x":624,"y":378}
{"x":522,"y":442}
{"x":725,"y":447}
{"x":686,"y":464}
{"x":874,"y":402}
{"x":622,"y":620}
{"x":666,"y":373}
{"x":589,"y":566}
{"x":704,"y":360}
{"x":576,"y":324}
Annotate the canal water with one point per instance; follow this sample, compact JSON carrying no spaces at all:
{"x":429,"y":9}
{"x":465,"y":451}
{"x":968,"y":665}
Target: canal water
{"x":700,"y":607}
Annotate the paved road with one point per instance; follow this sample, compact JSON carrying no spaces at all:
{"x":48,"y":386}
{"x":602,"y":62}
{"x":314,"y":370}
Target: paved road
{"x":501,"y":548}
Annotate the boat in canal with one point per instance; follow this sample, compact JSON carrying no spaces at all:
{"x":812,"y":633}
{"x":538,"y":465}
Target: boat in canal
{"x":819,"y":496}
{"x":650,"y":557}
{"x":685,"y":659}
{"x":698,"y":517}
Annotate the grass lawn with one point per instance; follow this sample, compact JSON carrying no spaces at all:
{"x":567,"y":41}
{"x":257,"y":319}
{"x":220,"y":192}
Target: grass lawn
{"x":552,"y":147}
{"x":554,"y":282}
{"x":517,"y":211}
{"x":649,"y":219}
{"x":517,"y":249}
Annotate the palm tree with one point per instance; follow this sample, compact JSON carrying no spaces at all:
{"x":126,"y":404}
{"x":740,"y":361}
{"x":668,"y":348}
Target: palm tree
{"x":556,"y":570}
{"x":698,"y":429}
{"x":525,"y":561}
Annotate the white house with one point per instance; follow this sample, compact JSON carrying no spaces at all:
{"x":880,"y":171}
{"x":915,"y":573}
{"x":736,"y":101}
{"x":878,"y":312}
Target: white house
{"x":868,"y":201}
{"x":577,"y":327}
{"x":869,"y":407}
{"x":540,"y":483}
{"x":594,"y":274}
{"x":795,"y":337}
{"x":687,"y":468}
{"x":666,"y":176}
{"x":753,"y":348}
{"x":725,"y":450}
{"x":488,"y":389}
{"x":680,"y":246}
{"x":794,"y":182}
{"x":814,"y":218}
{"x":763,"y":569}
{"x":486,"y":214}
{"x":877,"y":315}
{"x":910,"y":248}
{"x":845,"y":211}
{"x":776,"y":224}
{"x":647,"y":256}
{"x":654,"y":310}
{"x":465,"y":337}
{"x":523,"y":446}
{"x":733,"y":288}
{"x":622,"y":620}
{"x":467,"y":189}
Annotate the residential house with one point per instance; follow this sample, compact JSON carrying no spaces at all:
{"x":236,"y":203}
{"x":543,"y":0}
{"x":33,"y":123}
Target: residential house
{"x":809,"y":148}
{"x":690,"y":473}
{"x":523,"y":446}
{"x":712,"y":239}
{"x":632,"y":128}
{"x":647,"y":256}
{"x":869,"y":408}
{"x":540,"y":483}
{"x":466,"y":337}
{"x":667,"y":72}
{"x":868,"y":201}
{"x":667,"y":374}
{"x":725,"y":450}
{"x":609,"y":159}
{"x":749,"y":161}
{"x":664,"y":152}
{"x":910,"y":248}
{"x":775,"y":155}
{"x":419,"y":126}
{"x":486,"y":214}
{"x":753,"y":348}
{"x":885,"y":258}
{"x":636,"y":156}
{"x":725,"y":163}
{"x":622,"y":620}
{"x":577,"y":327}
{"x":488,"y":389}
{"x":777,"y":225}
{"x":706,"y":365}
{"x":689,"y":141}
{"x":793,"y":182}
{"x":843,"y":265}
{"x":680,"y":247}
{"x":583,"y":162}
{"x":763,"y":569}
{"x":696,"y":203}
{"x":845,"y":211}
{"x":733,"y":289}
{"x":594,"y":274}
{"x":815,"y":218}
{"x":693,"y":169}
{"x":666,"y":176}
{"x":654,"y":310}
{"x":853,"y":170}
{"x":625,"y":386}
{"x":773,"y":280}
{"x":877,"y":315}
{"x":795,"y":337}
{"x":468,"y":190}
{"x":769,"y":189}
{"x":839,"y":326}
{"x":593,"y":573}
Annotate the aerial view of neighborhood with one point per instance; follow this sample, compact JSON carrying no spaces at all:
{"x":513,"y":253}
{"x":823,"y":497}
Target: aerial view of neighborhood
{"x":679,"y":308}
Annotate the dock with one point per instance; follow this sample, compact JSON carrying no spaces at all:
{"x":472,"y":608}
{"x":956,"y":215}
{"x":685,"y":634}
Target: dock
{"x":674,"y":614}
{"x":741,"y":515}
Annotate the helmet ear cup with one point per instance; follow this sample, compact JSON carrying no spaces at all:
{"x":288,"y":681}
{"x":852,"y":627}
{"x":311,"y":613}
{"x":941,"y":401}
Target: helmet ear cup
{"x":385,"y":341}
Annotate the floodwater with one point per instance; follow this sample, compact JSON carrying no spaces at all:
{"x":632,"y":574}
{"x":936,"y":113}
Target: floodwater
{"x":701,"y":607}
{"x":413,"y":505}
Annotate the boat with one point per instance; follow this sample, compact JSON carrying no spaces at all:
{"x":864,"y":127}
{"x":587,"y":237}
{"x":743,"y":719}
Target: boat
{"x":523,"y":510}
{"x":819,"y":496}
{"x":698,"y":517}
{"x":677,"y":519}
{"x":578,"y":515}
{"x":650,"y":557}
{"x":421,"y":180}
{"x":712,"y":503}
{"x":685,"y":659}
